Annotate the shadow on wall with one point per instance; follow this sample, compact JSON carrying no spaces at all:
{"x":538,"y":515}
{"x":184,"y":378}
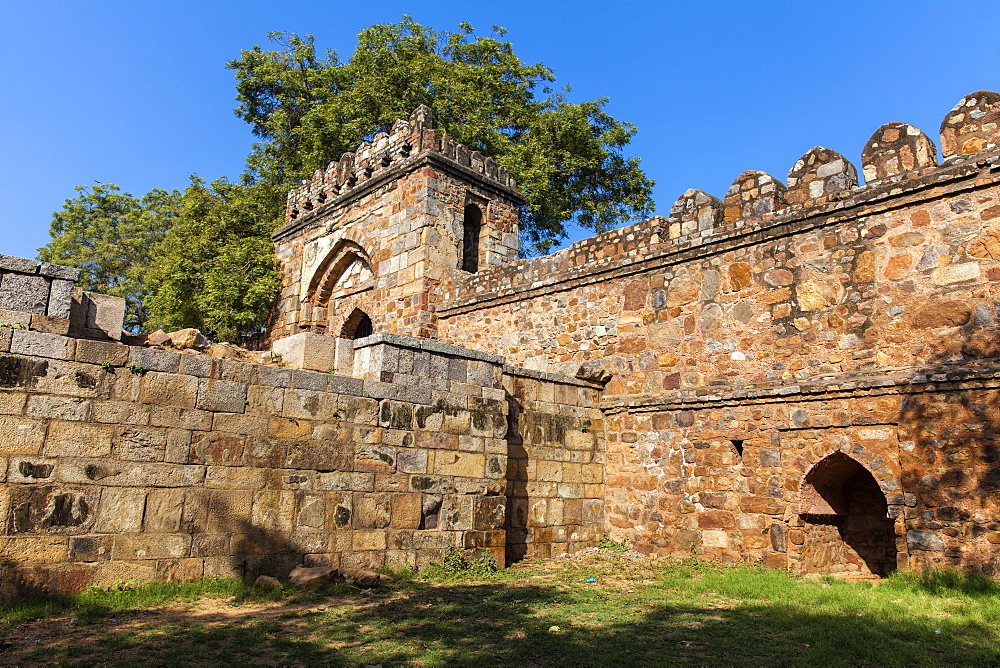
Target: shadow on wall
{"x":950,"y":449}
{"x":841,"y":496}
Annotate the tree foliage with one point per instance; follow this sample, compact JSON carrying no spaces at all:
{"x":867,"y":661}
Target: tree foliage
{"x":308,"y":108}
{"x":112,"y":238}
{"x":203,"y":258}
{"x":215,"y":268}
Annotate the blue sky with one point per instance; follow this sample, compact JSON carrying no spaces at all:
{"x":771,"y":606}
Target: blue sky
{"x":136,"y":92}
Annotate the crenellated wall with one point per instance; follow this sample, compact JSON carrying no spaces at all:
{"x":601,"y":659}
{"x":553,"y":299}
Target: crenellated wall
{"x":751,"y":338}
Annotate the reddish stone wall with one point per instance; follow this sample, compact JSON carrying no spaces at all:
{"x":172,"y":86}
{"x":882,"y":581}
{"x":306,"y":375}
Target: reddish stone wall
{"x":792,"y":309}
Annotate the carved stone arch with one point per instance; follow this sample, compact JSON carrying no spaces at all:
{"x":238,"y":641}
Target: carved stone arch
{"x":346,"y":256}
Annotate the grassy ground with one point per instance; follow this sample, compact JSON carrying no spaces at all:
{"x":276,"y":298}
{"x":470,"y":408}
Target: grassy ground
{"x":634,"y":612}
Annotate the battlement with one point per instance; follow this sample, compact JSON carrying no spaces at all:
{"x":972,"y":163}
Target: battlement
{"x":822,"y":188}
{"x":401,"y":147}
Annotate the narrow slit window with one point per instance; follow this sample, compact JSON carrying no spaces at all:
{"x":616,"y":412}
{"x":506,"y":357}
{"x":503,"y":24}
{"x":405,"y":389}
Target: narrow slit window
{"x":472,"y":224}
{"x":738,"y":446}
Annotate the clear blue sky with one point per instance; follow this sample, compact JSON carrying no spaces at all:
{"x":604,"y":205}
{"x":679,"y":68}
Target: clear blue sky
{"x":136,"y":92}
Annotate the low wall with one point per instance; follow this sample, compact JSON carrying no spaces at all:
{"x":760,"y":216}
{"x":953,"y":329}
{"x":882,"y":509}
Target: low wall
{"x":135,"y":463}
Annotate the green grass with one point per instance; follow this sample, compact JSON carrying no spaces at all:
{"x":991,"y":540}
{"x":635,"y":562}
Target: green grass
{"x":536,"y":613}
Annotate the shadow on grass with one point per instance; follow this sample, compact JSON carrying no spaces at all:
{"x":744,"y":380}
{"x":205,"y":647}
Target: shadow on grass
{"x":475,"y":624}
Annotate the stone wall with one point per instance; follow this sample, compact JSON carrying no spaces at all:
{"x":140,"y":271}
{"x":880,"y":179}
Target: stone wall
{"x":134,"y":463}
{"x":808,"y":297}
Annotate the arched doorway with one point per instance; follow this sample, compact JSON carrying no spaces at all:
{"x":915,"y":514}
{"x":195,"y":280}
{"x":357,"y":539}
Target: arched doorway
{"x":357,"y":326}
{"x":847,"y":529}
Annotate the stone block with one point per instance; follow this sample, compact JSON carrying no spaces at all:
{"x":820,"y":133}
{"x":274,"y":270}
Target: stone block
{"x":221,"y":395}
{"x":6,"y":335}
{"x":152,"y":359}
{"x":164,"y":508}
{"x":60,"y":300}
{"x":19,"y":549}
{"x":169,"y":389}
{"x":120,"y":510}
{"x":23,"y":292}
{"x":39,"y":344}
{"x":151,"y":546}
{"x":235,"y":477}
{"x":98,"y":352}
{"x":9,"y":317}
{"x":50,"y":324}
{"x":90,"y":548}
{"x":307,"y":350}
{"x":21,"y":265}
{"x":97,"y":316}
{"x":460,"y":464}
{"x":368,"y":540}
{"x":78,"y":439}
{"x":59,"y":271}
{"x":58,"y":408}
{"x":141,"y":444}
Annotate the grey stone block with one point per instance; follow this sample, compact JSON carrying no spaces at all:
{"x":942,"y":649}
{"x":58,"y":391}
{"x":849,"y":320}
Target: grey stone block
{"x":197,"y":365}
{"x":39,"y":344}
{"x":59,"y":271}
{"x":221,"y":395}
{"x":345,"y":385}
{"x":22,"y":292}
{"x":306,"y":380}
{"x":94,"y":315}
{"x":275,"y":376}
{"x":60,"y":299}
{"x":151,"y":359}
{"x":19,"y":264}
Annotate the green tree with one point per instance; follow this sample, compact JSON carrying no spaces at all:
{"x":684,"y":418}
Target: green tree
{"x":215,"y":268}
{"x":307,"y":109}
{"x":112,"y":238}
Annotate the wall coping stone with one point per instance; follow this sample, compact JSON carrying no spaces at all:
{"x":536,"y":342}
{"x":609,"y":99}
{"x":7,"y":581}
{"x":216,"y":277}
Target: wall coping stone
{"x":428,"y":345}
{"x":521,"y":372}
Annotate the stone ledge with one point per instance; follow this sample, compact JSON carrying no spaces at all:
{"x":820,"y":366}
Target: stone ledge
{"x":427,"y":345}
{"x":942,"y":378}
{"x":520,"y":372}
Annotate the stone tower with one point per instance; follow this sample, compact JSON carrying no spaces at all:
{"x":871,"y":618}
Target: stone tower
{"x":373,"y":242}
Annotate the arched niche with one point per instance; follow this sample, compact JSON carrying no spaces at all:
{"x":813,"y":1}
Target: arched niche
{"x":845,"y":514}
{"x":357,"y":325}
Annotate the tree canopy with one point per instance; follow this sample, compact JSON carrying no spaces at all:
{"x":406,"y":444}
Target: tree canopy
{"x":203,"y":258}
{"x":308,"y":109}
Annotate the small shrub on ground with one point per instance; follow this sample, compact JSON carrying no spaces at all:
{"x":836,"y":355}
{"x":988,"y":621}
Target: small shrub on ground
{"x":618,"y":547}
{"x":454,"y":565}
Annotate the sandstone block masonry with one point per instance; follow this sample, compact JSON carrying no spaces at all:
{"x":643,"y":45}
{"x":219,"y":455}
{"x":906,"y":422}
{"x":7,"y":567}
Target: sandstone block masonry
{"x":140,"y":464}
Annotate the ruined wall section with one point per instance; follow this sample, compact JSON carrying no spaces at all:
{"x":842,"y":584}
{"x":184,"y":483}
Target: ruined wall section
{"x":555,"y":464}
{"x":192,"y":466}
{"x":142,"y":464}
{"x":379,"y":231}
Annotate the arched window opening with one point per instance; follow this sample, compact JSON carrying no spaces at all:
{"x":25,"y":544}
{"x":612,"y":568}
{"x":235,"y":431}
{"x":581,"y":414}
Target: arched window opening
{"x":846,"y":519}
{"x":357,"y":326}
{"x":472,"y":225}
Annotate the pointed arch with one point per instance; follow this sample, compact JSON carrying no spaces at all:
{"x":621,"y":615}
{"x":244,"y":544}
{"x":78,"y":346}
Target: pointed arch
{"x":357,"y":326}
{"x":846,"y":521}
{"x":346,"y":267}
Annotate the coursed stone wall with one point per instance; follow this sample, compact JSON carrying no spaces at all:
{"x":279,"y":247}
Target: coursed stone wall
{"x":134,"y":463}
